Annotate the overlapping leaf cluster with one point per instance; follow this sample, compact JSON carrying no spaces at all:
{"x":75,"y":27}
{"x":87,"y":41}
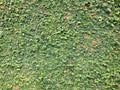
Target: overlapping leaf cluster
{"x":59,"y":45}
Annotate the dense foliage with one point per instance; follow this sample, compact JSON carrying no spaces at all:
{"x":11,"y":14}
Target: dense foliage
{"x":59,"y":45}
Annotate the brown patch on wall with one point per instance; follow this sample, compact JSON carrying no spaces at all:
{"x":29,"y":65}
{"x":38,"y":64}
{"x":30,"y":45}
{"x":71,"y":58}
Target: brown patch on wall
{"x":92,"y":13}
{"x":81,"y":45}
{"x":86,"y":36}
{"x":77,"y":24}
{"x":17,"y":31}
{"x":16,"y":88}
{"x":95,"y":41}
{"x":67,"y":16}
{"x":1,"y":4}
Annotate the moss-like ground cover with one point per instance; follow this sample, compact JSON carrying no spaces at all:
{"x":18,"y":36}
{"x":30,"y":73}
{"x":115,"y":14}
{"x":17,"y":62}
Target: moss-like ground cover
{"x":59,"y":45}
